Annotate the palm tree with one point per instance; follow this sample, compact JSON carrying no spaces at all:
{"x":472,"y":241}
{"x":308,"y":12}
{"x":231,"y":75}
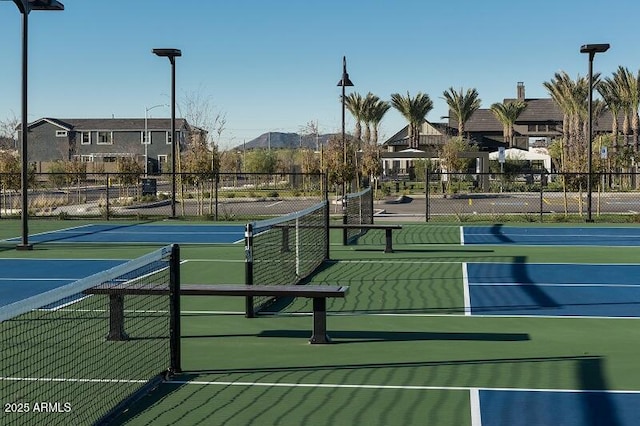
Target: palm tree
{"x":415,"y":110}
{"x":572,"y":99}
{"x":374,"y":111}
{"x":462,"y":106}
{"x":622,"y":80}
{"x":609,"y":92}
{"x":378,"y":111}
{"x":507,"y":114}
{"x":355,"y":103}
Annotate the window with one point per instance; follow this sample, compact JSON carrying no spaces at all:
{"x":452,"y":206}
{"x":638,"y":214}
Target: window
{"x":105,"y":138}
{"x":61,"y":133}
{"x":169,"y":138}
{"x":86,"y":158}
{"x":143,"y":138}
{"x":85,"y":138}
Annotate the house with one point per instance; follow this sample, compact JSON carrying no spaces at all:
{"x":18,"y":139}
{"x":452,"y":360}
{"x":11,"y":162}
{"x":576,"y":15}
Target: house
{"x":536,"y":126}
{"x":102,"y":141}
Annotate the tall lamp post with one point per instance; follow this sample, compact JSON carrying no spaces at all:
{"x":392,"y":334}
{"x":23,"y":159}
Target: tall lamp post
{"x":147,"y":139}
{"x":591,"y":49}
{"x":26,"y":6}
{"x":344,"y":82}
{"x":172,"y":54}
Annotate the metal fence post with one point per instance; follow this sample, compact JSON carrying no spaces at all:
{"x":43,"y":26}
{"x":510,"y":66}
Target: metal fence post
{"x":426,"y":194}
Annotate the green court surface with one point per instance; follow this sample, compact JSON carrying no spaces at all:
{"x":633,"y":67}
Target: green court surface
{"x":403,"y":350}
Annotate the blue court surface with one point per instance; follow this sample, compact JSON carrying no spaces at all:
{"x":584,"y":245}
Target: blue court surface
{"x":143,"y":233}
{"x":566,"y":408}
{"x":552,"y":289}
{"x":573,"y":236}
{"x":23,"y":278}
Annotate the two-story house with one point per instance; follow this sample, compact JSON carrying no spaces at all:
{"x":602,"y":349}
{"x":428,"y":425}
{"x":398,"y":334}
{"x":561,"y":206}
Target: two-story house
{"x":536,"y":126}
{"x":101,"y":141}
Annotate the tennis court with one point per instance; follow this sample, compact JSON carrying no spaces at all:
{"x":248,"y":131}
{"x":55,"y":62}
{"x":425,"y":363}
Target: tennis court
{"x":442,"y":331}
{"x":156,"y":233}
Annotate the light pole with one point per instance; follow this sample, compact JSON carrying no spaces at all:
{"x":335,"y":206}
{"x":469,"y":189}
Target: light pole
{"x":591,"y":49}
{"x":147,"y":139}
{"x":344,"y":82}
{"x":26,"y":6}
{"x":172,"y":54}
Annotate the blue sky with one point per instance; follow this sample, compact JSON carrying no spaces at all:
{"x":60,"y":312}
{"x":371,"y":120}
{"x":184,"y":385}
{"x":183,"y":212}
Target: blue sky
{"x":273,"y":65}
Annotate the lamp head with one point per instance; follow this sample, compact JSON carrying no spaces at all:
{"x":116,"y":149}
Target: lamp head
{"x":38,"y":5}
{"x":594,"y":48}
{"x":344,"y":81}
{"x":169,"y":53}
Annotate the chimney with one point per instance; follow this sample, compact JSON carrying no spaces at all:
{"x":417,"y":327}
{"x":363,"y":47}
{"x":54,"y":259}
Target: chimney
{"x":520,"y":91}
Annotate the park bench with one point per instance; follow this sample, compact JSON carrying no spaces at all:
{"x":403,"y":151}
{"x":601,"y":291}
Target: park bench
{"x":388,"y":228}
{"x":318,"y":293}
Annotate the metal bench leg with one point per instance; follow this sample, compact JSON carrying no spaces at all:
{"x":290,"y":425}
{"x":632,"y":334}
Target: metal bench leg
{"x":389,"y":241}
{"x":116,"y":318}
{"x":319,"y":321}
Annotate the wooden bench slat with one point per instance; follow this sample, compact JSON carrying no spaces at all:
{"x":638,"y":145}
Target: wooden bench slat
{"x":309,"y":291}
{"x":364,"y":226}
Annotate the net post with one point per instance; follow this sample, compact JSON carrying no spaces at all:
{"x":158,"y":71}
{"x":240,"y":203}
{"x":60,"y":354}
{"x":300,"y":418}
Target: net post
{"x":345,"y":220}
{"x":248,"y":250}
{"x":174,"y":301}
{"x":326,"y":226}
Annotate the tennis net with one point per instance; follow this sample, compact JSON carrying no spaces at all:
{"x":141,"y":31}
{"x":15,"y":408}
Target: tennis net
{"x":285,"y":250}
{"x":358,"y":210}
{"x":61,"y":362}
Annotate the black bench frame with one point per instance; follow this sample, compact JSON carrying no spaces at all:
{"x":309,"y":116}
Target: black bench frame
{"x":319,"y":294}
{"x":387,"y":228}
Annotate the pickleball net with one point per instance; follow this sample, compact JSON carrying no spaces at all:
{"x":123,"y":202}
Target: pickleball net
{"x":285,"y":250}
{"x":358,"y":210}
{"x":61,"y":362}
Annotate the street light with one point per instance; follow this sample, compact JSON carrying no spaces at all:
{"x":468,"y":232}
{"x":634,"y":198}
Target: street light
{"x":344,"y":82}
{"x":172,"y":54}
{"x":591,"y":49}
{"x":147,"y":139}
{"x":26,"y":6}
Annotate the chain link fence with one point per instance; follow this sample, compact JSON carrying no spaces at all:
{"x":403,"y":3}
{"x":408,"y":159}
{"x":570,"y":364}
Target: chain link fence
{"x":448,"y":197}
{"x":222,"y":197}
{"x":529,"y":197}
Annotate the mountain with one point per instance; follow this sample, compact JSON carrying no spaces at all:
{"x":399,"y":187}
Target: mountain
{"x":278,"y":140}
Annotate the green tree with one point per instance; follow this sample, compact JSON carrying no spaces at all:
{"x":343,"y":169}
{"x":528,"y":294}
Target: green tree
{"x":261,"y":161}
{"x":450,"y":157}
{"x":462,"y":105}
{"x":374,"y":111}
{"x":128,"y":174}
{"x":415,"y":111}
{"x":507,"y":113}
{"x":355,"y":104}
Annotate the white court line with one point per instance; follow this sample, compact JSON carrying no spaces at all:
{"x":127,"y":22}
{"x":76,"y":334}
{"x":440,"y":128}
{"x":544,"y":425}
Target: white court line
{"x":465,"y":286}
{"x":462,"y":235}
{"x":552,"y":285}
{"x":474,"y":404}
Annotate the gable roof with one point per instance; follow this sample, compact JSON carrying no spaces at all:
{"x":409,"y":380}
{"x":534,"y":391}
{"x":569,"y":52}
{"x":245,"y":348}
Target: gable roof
{"x":113,"y":124}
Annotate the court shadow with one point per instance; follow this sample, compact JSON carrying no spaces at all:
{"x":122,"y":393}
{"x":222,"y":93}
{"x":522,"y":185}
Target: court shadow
{"x":599,"y":406}
{"x":496,"y":231}
{"x":520,"y":276}
{"x":411,"y":364}
{"x":360,"y":336}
